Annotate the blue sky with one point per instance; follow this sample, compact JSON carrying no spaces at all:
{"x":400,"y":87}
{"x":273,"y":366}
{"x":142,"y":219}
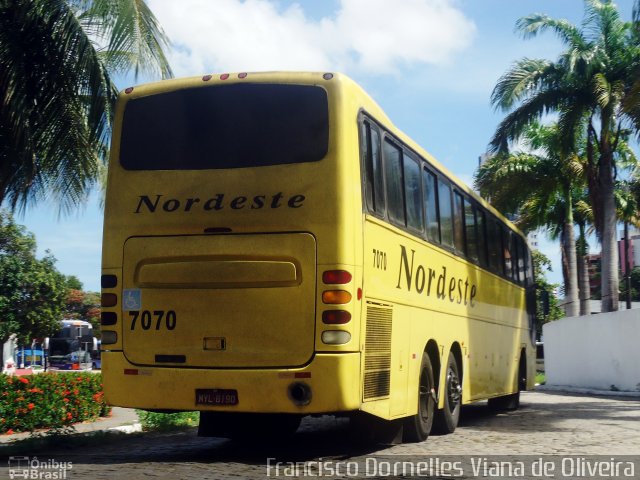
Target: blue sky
{"x":430,"y":64}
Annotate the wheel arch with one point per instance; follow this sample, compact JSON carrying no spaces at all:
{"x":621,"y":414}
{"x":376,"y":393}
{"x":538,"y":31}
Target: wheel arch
{"x":522,"y":370}
{"x":456,"y":349}
{"x":433,"y":351}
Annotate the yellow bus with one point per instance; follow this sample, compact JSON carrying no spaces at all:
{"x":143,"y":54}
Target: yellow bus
{"x":274,"y":247}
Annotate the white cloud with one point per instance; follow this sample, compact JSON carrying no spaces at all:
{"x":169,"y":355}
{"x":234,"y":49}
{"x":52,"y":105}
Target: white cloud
{"x":375,"y":36}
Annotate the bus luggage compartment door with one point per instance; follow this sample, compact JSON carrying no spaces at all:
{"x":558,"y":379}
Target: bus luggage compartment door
{"x":219,"y":300}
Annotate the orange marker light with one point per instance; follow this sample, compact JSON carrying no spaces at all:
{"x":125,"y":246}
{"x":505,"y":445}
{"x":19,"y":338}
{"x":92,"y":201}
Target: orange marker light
{"x":108,"y":300}
{"x":336,"y":297}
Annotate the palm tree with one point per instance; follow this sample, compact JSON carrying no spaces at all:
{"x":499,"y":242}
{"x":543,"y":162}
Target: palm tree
{"x":631,"y":103}
{"x":539,"y":186}
{"x":587,"y":85}
{"x":57,"y":93}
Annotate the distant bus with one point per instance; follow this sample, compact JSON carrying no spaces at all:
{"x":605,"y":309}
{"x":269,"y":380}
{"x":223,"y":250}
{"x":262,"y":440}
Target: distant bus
{"x":71,"y":347}
{"x":31,"y":357}
{"x":274,"y":247}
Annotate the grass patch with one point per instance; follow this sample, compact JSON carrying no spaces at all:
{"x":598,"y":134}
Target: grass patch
{"x":167,"y":421}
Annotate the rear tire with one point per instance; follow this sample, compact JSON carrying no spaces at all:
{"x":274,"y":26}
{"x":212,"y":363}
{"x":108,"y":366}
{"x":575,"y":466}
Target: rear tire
{"x":446,"y":420}
{"x":418,"y":426}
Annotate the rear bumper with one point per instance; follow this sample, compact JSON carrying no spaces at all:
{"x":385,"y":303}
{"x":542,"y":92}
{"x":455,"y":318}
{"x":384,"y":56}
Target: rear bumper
{"x":334,"y":380}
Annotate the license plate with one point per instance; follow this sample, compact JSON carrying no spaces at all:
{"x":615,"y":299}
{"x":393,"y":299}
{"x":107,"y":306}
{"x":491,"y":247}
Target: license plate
{"x":216,"y":396}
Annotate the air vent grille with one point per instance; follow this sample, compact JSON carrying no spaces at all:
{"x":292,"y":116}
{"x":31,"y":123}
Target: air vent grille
{"x":377,"y":357}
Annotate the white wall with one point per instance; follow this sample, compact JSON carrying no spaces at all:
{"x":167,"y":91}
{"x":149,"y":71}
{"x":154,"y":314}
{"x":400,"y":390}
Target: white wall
{"x":595,"y":351}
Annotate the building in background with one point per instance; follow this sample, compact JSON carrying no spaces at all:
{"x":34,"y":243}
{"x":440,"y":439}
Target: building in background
{"x":633,"y":253}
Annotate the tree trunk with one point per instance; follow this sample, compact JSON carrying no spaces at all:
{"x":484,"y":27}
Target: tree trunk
{"x":583,"y":272}
{"x":572,"y":301}
{"x":609,"y":260}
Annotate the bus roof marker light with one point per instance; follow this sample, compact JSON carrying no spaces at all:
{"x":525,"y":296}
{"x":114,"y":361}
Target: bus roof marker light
{"x":128,"y":90}
{"x":242,"y":75}
{"x":224,"y":76}
{"x":327,"y":76}
{"x":206,"y":78}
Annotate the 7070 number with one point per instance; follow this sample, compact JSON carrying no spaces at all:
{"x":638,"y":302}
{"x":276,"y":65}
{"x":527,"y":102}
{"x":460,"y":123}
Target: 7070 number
{"x":147,"y":319}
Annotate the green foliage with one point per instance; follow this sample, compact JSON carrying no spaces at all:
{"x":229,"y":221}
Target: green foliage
{"x":542,"y":264}
{"x":167,"y":421}
{"x":32,"y":291}
{"x":74,"y":282}
{"x":57,"y":94}
{"x":593,"y":89}
{"x":84,"y":306}
{"x":50,"y":400}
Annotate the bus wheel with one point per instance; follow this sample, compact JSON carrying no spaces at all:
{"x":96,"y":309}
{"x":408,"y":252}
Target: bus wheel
{"x":446,"y":420}
{"x":418,"y":427}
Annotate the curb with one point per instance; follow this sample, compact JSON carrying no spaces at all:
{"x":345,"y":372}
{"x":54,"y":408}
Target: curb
{"x":586,"y":391}
{"x":135,"y":428}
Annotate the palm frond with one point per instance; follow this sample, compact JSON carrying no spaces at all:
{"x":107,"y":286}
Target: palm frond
{"x":133,"y":35}
{"x":532,"y":25}
{"x":521,"y":80}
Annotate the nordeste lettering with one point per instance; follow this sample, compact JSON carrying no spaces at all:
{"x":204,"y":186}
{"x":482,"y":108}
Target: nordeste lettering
{"x":161,"y":203}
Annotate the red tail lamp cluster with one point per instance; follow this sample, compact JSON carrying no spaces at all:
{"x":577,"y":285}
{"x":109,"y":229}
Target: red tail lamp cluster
{"x":108,"y":300}
{"x":336,"y":296}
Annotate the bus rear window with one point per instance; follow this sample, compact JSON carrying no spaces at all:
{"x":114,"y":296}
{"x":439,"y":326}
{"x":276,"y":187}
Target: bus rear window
{"x":228,"y":126}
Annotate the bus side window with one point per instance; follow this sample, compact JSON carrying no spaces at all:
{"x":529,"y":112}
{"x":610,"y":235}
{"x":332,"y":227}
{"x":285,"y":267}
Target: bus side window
{"x":374,"y":189}
{"x":431,"y":206}
{"x":482,"y":238}
{"x":446,"y":212}
{"x":394,"y":182}
{"x":521,"y":261}
{"x":529,"y":273}
{"x":458,"y":222}
{"x":470,"y":230}
{"x":495,"y":246}
{"x":413,"y":193}
{"x":507,"y":243}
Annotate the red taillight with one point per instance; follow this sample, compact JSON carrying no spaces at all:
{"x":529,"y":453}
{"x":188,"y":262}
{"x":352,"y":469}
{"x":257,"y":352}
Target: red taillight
{"x":336,"y":277}
{"x":336,"y":317}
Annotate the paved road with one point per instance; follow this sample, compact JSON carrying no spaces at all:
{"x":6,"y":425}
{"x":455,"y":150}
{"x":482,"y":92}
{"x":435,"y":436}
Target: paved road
{"x":547,"y":424}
